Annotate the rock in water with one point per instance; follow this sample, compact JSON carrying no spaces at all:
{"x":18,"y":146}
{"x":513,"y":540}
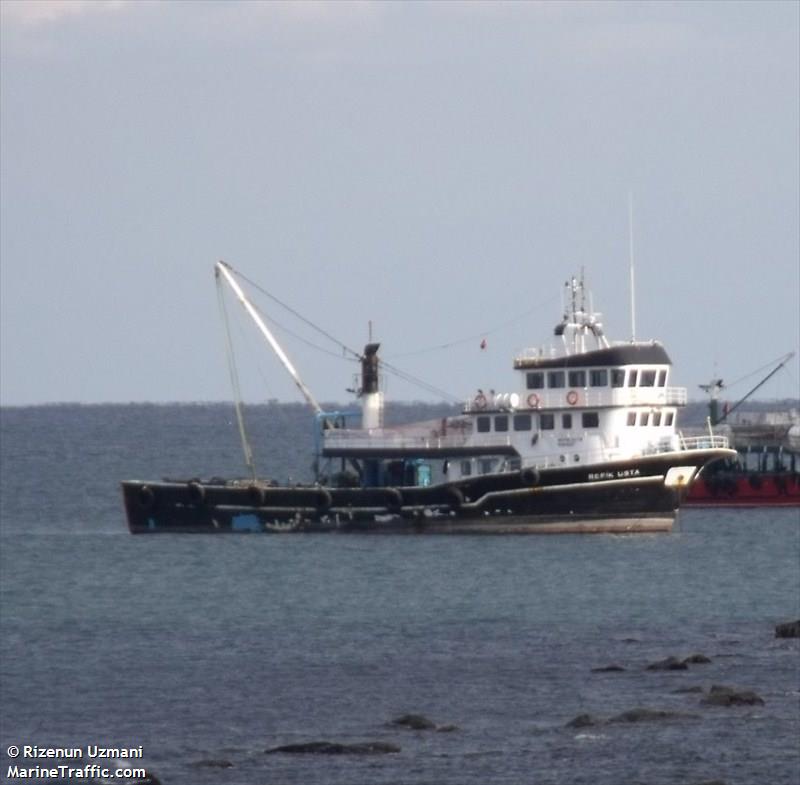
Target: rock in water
{"x":583,"y":721}
{"x":697,"y":659}
{"x":414,"y":722}
{"x":669,"y":664}
{"x":608,"y":669}
{"x":789,"y":629}
{"x":335,"y":748}
{"x":720,"y":695}
{"x":650,"y":715}
{"x":149,"y":779}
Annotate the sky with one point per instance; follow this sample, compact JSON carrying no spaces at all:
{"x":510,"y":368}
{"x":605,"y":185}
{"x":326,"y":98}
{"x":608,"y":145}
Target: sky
{"x":433,"y":172}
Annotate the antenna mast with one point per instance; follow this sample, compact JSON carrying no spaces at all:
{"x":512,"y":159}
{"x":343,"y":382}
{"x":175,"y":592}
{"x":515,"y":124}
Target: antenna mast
{"x":630,"y":256}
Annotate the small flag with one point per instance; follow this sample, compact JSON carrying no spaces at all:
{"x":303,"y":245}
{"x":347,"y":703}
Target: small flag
{"x":483,"y":343}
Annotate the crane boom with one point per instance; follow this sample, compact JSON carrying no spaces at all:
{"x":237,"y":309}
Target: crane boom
{"x":226,"y":271}
{"x":785,"y":359}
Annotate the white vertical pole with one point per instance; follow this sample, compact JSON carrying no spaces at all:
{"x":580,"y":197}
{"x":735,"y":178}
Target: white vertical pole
{"x":630,"y":255}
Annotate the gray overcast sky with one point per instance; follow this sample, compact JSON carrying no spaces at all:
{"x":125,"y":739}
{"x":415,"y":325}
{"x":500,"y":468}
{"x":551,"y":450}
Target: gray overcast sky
{"x":438,"y":168}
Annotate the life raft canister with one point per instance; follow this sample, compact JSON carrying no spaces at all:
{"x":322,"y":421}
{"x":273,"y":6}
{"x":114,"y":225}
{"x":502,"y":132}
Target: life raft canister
{"x":533,"y":401}
{"x":572,"y":397}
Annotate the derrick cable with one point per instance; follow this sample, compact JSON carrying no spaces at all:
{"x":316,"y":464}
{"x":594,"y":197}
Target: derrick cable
{"x":234,"y":374}
{"x":299,"y":316}
{"x":418,"y":382}
{"x":300,"y":338}
{"x":491,"y":331}
{"x":355,"y":355}
{"x":784,"y":358}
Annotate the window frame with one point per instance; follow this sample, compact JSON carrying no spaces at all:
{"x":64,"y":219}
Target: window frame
{"x":590,"y":419}
{"x":534,"y":380}
{"x":522,"y":417}
{"x":601,"y":373}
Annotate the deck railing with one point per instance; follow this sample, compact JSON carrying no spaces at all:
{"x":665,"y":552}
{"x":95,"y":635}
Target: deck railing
{"x":441,"y":440}
{"x":568,"y":398}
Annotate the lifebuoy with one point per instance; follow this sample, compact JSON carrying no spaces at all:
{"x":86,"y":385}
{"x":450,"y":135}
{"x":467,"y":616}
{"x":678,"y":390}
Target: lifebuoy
{"x":533,"y":401}
{"x":480,"y":401}
{"x":572,"y":397}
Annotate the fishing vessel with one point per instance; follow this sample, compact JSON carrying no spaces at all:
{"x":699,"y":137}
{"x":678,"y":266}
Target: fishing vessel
{"x":765,"y":471}
{"x":585,"y":439}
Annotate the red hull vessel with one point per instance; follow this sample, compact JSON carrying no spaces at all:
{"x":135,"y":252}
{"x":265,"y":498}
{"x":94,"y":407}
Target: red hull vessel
{"x":723,"y":489}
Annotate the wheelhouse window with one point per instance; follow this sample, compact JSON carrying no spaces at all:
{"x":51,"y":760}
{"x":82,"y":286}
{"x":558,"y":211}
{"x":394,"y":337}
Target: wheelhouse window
{"x":555,"y":379}
{"x":566,"y":421}
{"x":484,"y":424}
{"x":617,"y":377}
{"x":547,"y":422}
{"x":648,"y":379}
{"x":656,"y":418}
{"x":669,"y":418}
{"x":633,"y":377}
{"x":466,"y":468}
{"x":522,"y":422}
{"x":644,"y":418}
{"x":577,"y":378}
{"x":534,"y":380}
{"x":501,"y":423}
{"x":598,"y":377}
{"x":662,"y":378}
{"x":590,"y":420}
{"x":631,"y":418}
{"x":486,"y":465}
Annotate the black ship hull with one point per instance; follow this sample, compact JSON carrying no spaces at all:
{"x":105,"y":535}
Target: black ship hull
{"x":623,"y":496}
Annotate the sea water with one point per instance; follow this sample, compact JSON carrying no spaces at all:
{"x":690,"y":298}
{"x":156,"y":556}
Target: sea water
{"x":204,"y":649}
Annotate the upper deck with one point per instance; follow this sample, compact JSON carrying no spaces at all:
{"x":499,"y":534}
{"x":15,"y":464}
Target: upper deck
{"x":649,"y":353}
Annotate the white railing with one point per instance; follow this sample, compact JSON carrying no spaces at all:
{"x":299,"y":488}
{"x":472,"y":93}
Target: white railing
{"x":582,"y":397}
{"x":406,"y":439}
{"x":707,"y":442}
{"x":426,"y":439}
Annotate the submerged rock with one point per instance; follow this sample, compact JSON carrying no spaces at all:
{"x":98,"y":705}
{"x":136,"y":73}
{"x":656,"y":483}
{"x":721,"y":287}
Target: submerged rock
{"x":584,"y":721}
{"x":414,"y":722}
{"x":720,"y":695}
{"x":650,"y":715}
{"x":697,"y":659}
{"x":669,"y":664}
{"x":608,"y":669}
{"x":629,"y":717}
{"x":335,"y":748}
{"x":149,"y":779}
{"x":789,"y":629}
{"x":695,"y":688}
